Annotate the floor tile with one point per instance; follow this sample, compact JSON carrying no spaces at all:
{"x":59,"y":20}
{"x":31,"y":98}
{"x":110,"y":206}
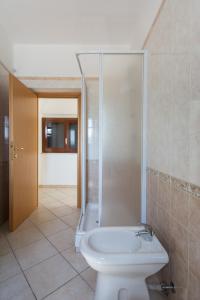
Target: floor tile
{"x":90,"y":275}
{"x":70,"y":202}
{"x":51,"y":227}
{"x":72,"y":219}
{"x":76,"y":289}
{"x":25,"y":225}
{"x":15,"y":288}
{"x":44,"y":196}
{"x":40,"y":205}
{"x":34,"y":253}
{"x":8,"y":266}
{"x":4,"y":228}
{"x":63,"y":239}
{"x":56,"y":194}
{"x":41,"y":215}
{"x":75,"y":259}
{"x":47,"y":276}
{"x":22,"y":238}
{"x":51,"y":203}
{"x":63,"y":210}
{"x":4,"y":247}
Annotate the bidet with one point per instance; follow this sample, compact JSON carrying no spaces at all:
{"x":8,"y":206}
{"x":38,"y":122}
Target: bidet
{"x":123,"y":260}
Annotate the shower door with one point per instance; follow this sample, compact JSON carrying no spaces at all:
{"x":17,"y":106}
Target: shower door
{"x":122,"y":77}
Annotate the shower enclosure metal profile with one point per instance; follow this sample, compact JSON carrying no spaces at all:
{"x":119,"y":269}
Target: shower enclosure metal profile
{"x":114,"y":87}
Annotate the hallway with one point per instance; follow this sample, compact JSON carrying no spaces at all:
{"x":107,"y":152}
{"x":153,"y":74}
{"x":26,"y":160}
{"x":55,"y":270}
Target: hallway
{"x":38,"y":260}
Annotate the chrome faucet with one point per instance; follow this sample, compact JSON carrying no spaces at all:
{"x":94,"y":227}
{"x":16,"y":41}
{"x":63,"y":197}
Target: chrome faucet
{"x":147,"y":231}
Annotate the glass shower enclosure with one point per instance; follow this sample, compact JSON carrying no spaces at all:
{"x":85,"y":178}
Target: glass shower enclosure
{"x":114,"y":100}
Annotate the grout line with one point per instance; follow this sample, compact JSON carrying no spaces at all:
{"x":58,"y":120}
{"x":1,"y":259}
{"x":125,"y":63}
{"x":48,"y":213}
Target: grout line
{"x":78,"y":273}
{"x":10,"y":253}
{"x":21,"y":268}
{"x":59,"y":217}
{"x":54,"y":198}
{"x":24,"y":245}
{"x":70,"y":227}
{"x":40,"y":262}
{"x":86,"y":280}
{"x":58,"y":252}
{"x":60,"y":287}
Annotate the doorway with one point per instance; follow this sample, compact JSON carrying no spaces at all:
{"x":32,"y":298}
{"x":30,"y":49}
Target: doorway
{"x":59,"y":159}
{"x":24,"y":156}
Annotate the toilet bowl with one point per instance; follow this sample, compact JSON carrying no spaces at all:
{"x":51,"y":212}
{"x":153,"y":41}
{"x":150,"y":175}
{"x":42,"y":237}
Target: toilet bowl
{"x":123,"y":261}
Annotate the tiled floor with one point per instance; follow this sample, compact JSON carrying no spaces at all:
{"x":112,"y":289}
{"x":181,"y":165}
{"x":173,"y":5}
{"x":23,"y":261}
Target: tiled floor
{"x":38,"y":260}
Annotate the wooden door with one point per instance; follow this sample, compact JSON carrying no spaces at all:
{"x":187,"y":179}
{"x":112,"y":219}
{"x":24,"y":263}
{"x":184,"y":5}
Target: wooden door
{"x":23,"y":157}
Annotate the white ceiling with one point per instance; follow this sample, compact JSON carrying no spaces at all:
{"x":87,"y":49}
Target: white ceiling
{"x":102,"y":22}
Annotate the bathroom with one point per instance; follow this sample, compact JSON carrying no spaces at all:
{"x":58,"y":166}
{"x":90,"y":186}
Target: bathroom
{"x":161,"y":174}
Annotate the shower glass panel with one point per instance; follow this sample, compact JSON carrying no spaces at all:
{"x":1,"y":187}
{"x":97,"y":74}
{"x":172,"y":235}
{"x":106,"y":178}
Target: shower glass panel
{"x":121,"y":139}
{"x":90,"y":69}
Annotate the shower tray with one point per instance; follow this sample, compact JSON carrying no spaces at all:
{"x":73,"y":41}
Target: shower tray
{"x":87,"y":222}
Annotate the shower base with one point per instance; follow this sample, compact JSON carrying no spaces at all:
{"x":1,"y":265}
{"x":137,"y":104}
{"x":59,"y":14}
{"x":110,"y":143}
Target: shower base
{"x":87,"y":222}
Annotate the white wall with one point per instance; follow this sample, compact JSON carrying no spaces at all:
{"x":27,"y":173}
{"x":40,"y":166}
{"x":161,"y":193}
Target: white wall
{"x":51,"y":60}
{"x":56,"y":168}
{"x":6,"y":50}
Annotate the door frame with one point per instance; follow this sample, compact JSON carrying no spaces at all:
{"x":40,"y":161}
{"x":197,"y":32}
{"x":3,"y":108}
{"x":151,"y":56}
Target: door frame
{"x":64,"y":96}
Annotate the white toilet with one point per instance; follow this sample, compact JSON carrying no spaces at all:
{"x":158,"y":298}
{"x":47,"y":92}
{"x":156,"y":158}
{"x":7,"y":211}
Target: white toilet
{"x":123,"y":260}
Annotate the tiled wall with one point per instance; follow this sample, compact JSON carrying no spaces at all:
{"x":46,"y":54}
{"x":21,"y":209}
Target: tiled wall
{"x":174,"y":91}
{"x":174,"y":141}
{"x":92,"y":139}
{"x":174,"y":213}
{"x":92,"y":180}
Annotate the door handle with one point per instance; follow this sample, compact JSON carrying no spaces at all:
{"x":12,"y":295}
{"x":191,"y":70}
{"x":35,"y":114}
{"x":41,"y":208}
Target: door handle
{"x":19,"y":148}
{"x":14,"y":151}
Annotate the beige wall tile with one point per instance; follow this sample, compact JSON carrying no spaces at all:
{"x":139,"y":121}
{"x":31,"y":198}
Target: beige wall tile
{"x":174,"y":139}
{"x":179,"y":271}
{"x":194,"y":254}
{"x":194,"y":216}
{"x":194,"y":287}
{"x":163,"y":222}
{"x":164,"y":192}
{"x":194,"y":153}
{"x":178,"y":240}
{"x":179,"y":205}
{"x":178,"y":230}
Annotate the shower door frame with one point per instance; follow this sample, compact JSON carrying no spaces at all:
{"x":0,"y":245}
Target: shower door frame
{"x":144,"y":53}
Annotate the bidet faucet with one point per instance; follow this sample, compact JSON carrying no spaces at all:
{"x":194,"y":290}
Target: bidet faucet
{"x":148,"y":230}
